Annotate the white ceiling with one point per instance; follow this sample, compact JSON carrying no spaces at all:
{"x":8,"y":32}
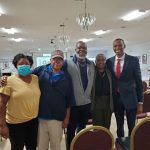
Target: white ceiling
{"x":38,"y":22}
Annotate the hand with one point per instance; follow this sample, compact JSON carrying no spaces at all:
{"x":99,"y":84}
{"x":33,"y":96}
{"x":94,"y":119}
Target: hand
{"x":4,"y":131}
{"x":140,"y":108}
{"x":3,"y":81}
{"x":147,"y":92}
{"x":65,"y":123}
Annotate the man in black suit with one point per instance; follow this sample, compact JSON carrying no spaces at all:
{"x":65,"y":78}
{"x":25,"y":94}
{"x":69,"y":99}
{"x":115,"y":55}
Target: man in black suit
{"x":128,"y":90}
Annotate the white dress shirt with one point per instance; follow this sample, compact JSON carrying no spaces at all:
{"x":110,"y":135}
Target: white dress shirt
{"x":121,"y":62}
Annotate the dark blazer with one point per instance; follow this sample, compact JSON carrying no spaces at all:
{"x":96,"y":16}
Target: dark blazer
{"x":130,"y":81}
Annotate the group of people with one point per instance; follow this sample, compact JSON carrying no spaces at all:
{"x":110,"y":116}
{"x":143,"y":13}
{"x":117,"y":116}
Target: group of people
{"x":63,"y":94}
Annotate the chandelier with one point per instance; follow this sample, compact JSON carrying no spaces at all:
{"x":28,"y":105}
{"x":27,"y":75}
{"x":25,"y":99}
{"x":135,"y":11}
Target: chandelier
{"x":85,"y":19}
{"x":63,"y":38}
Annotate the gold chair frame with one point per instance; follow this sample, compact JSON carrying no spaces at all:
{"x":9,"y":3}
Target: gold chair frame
{"x":89,"y":129}
{"x":134,"y":131}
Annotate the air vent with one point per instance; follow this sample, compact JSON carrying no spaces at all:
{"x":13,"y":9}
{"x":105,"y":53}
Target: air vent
{"x":123,"y":27}
{"x":78,"y":0}
{"x":3,"y":36}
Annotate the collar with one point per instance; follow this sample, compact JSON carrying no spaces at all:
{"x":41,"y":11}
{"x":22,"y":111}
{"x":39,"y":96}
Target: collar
{"x":50,"y":70}
{"x":121,"y":58}
{"x":75,"y":60}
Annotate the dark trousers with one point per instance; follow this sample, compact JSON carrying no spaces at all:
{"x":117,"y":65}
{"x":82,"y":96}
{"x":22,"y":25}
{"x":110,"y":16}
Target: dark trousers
{"x":78,"y":119}
{"x":101,"y":112}
{"x":120,"y":111}
{"x":23,"y":134}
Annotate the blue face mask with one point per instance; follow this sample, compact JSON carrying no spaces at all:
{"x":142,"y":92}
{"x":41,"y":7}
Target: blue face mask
{"x":24,"y":70}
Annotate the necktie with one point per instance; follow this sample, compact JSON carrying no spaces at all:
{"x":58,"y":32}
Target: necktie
{"x":118,"y":69}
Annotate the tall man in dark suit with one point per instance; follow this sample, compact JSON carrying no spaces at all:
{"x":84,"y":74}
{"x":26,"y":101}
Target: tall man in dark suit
{"x":128,"y":90}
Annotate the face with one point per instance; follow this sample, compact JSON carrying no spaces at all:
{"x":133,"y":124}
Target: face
{"x":23,"y":67}
{"x":118,"y":47}
{"x":23,"y":61}
{"x":57,"y":63}
{"x":100,"y":61}
{"x":81,"y":50}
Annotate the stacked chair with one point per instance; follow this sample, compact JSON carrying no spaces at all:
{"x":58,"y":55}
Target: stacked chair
{"x":146,"y":106}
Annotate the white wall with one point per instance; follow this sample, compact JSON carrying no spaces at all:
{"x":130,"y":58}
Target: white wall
{"x":6,"y":61}
{"x":137,"y":50}
{"x":141,"y":50}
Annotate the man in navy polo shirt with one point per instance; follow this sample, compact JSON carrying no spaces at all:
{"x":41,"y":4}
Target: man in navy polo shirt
{"x":56,"y":100}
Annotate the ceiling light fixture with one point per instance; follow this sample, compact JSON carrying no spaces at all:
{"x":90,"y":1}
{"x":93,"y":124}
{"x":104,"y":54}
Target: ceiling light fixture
{"x":85,"y":19}
{"x":64,"y":38}
{"x":100,"y":32}
{"x":1,"y":11}
{"x":86,"y":40}
{"x":9,"y":30}
{"x":17,"y":39}
{"x":134,"y":15}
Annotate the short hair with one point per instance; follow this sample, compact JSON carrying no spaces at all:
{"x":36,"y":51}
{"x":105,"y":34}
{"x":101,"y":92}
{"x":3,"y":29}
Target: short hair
{"x":81,"y":42}
{"x":30,"y":59}
{"x":119,"y":39}
{"x":100,"y":54}
{"x":17,"y":58}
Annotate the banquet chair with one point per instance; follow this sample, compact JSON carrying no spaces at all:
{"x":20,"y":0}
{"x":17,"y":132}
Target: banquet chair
{"x":146,"y":106}
{"x":93,"y":138}
{"x":140,"y":136}
{"x":139,"y":140}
